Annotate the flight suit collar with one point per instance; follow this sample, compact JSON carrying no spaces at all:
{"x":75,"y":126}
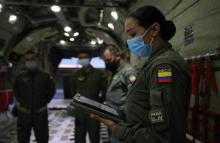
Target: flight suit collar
{"x":161,"y":49}
{"x":157,"y":52}
{"x":121,"y":66}
{"x":91,"y":69}
{"x":28,"y":73}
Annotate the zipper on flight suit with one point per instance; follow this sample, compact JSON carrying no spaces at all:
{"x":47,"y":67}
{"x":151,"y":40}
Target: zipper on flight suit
{"x":32,"y":95}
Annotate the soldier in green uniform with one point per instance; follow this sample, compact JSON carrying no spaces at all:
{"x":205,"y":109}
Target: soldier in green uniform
{"x":91,"y":83}
{"x":157,"y":104}
{"x":123,"y":77}
{"x":33,"y":90}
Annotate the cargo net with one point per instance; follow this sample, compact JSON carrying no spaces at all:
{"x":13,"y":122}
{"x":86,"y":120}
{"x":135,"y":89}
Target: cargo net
{"x":203,"y":121}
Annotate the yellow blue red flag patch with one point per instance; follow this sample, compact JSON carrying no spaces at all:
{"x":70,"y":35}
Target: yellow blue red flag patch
{"x":165,"y":75}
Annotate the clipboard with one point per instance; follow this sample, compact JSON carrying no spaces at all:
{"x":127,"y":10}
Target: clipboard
{"x":91,"y":106}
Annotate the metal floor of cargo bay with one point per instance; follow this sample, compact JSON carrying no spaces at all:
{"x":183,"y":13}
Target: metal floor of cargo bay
{"x":61,"y":126}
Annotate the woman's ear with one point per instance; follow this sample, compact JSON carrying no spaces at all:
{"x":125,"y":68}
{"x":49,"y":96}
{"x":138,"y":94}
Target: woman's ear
{"x":155,"y":29}
{"x":118,"y":56}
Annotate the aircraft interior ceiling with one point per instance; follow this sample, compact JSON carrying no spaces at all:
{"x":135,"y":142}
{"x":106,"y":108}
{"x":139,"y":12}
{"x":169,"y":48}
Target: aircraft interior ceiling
{"x":38,"y":24}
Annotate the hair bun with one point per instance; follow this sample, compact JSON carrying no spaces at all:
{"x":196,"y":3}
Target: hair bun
{"x":169,"y":30}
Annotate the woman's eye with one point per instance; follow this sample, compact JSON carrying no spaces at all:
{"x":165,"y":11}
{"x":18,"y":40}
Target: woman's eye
{"x":133,"y":35}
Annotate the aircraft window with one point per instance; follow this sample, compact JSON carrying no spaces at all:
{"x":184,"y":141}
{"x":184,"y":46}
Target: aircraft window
{"x":96,"y":62}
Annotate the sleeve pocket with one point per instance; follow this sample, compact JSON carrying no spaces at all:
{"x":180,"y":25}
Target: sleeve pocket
{"x":158,"y":112}
{"x":156,"y":98}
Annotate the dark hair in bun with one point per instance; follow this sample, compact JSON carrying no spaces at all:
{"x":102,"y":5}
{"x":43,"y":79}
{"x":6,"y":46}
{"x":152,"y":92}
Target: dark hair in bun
{"x":147,"y":15}
{"x":168,"y":31}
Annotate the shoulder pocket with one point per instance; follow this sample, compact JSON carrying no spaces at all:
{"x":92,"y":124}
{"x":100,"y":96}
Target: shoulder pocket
{"x":156,"y":97}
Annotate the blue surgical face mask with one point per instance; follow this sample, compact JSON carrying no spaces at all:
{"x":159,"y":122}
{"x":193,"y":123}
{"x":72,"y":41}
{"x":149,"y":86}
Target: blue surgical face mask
{"x":139,"y":47}
{"x":84,"y":62}
{"x":32,"y":65}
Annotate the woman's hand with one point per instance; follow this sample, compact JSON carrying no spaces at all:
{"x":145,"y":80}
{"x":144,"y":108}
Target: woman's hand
{"x":109,"y":123}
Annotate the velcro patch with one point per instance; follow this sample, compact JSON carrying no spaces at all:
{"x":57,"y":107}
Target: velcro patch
{"x":156,"y":116}
{"x":165,"y":75}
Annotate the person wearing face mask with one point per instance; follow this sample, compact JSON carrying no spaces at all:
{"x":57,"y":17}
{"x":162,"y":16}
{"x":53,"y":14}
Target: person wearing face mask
{"x":157,"y":103}
{"x":123,"y":77}
{"x":33,"y":90}
{"x":91,"y":83}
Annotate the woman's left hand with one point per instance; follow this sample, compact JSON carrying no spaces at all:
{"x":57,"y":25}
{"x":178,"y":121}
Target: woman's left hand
{"x":109,"y":123}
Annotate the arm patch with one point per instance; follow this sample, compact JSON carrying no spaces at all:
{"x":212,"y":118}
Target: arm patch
{"x":157,"y":116}
{"x":164,"y":75}
{"x":131,"y":78}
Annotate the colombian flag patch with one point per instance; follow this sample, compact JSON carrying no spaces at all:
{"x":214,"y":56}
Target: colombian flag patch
{"x":165,"y":75}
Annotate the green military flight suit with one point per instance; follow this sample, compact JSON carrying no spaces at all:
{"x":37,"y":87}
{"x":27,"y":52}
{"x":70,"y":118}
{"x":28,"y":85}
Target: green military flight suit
{"x":157,"y":104}
{"x":120,"y":84}
{"x":90,"y":85}
{"x":33,"y":91}
{"x":117,"y":90}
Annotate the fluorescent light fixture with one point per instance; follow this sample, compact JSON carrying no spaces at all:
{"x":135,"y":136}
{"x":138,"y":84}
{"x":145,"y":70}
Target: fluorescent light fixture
{"x":100,"y":41}
{"x":66,"y":34}
{"x":12,"y":18}
{"x":76,"y":34}
{"x":1,"y":6}
{"x":72,"y":39}
{"x":111,"y":26}
{"x":55,"y":8}
{"x":114,"y":14}
{"x":62,"y":42}
{"x":67,"y":28}
{"x":93,"y":42}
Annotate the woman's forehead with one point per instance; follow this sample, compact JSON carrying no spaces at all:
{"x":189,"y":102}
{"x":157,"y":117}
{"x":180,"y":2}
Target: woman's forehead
{"x":130,"y":24}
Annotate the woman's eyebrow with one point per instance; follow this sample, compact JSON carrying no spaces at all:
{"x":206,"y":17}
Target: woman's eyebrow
{"x":129,"y":30}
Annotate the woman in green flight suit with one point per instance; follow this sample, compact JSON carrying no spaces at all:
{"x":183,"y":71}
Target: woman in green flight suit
{"x":157,"y":103}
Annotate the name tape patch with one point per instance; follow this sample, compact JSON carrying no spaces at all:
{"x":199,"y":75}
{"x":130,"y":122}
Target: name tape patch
{"x":156,"y":116}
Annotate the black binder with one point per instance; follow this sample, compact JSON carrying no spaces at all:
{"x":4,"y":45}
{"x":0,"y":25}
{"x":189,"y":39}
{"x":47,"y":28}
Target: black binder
{"x":91,"y":106}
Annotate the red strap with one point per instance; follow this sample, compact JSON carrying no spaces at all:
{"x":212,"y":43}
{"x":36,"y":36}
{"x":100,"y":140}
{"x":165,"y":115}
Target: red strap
{"x":195,"y":69}
{"x":211,"y":77}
